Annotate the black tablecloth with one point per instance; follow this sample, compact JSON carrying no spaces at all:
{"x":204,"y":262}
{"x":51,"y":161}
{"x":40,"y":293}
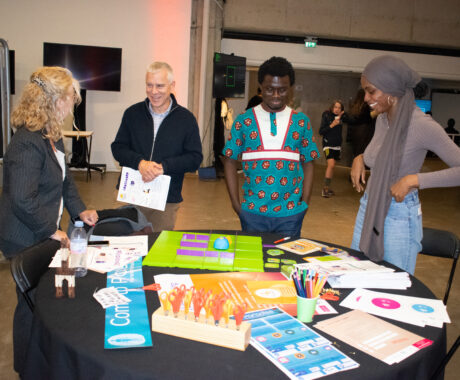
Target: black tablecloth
{"x":68,"y":342}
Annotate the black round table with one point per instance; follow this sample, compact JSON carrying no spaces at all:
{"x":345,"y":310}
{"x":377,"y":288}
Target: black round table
{"x":67,"y":341}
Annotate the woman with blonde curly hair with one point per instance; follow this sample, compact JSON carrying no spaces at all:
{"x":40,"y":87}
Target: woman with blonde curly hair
{"x":36,"y":180}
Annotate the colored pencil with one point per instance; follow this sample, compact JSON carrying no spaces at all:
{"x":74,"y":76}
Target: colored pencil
{"x":308,"y":283}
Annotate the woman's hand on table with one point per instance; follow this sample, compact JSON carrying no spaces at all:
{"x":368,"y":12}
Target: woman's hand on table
{"x":90,"y":217}
{"x":62,"y":237}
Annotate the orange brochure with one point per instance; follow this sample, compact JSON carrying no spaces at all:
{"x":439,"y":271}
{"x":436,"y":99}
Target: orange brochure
{"x":273,"y":292}
{"x":242,"y":287}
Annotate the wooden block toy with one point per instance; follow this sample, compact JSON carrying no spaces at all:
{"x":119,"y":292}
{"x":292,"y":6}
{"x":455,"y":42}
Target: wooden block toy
{"x":65,"y":273}
{"x":221,"y":335}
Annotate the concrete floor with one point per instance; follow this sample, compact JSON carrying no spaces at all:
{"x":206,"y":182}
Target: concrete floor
{"x":206,"y":205}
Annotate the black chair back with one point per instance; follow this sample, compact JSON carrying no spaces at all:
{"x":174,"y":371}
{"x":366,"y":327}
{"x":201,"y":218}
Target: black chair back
{"x":113,"y":228}
{"x":29,"y":265}
{"x":122,"y":221}
{"x":442,"y":365}
{"x":444,"y":244}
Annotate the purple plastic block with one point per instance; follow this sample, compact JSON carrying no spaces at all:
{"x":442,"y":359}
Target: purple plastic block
{"x":193,"y":244}
{"x":202,"y":237}
{"x":190,"y":252}
{"x":212,"y":254}
{"x":188,"y":236}
{"x":227,"y":255}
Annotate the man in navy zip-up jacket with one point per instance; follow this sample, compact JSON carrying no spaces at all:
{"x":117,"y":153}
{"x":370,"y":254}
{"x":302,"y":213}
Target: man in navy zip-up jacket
{"x":158,"y":136}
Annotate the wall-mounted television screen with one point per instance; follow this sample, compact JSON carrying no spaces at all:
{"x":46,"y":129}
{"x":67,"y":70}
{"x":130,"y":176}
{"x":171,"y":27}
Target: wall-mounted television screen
{"x":424,"y":105}
{"x":96,"y":68}
{"x":229,"y":76}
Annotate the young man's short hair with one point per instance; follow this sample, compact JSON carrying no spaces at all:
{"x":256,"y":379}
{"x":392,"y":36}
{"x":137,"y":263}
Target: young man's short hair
{"x":277,"y":67}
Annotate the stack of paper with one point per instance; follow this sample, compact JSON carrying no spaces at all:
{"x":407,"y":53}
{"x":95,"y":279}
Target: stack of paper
{"x":139,"y":243}
{"x":346,"y":267}
{"x":386,"y":280}
{"x":360,"y":274}
{"x":120,"y":251}
{"x":295,"y":349}
{"x":414,"y":310}
{"x":326,"y":258}
{"x":374,"y":336}
{"x":105,"y":259}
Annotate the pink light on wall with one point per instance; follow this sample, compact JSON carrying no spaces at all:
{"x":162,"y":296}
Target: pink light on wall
{"x":171,"y":21}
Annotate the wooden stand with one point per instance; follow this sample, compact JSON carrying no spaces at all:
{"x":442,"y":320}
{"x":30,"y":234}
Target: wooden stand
{"x":200,"y":331}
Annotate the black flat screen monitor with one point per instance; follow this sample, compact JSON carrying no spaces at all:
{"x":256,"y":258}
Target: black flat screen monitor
{"x":96,"y":68}
{"x":229,"y":76}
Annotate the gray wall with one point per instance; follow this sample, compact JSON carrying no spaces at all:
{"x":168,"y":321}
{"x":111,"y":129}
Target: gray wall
{"x":420,"y":22}
{"x":319,"y":90}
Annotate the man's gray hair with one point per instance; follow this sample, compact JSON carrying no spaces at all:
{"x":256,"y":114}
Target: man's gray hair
{"x":156,"y":66}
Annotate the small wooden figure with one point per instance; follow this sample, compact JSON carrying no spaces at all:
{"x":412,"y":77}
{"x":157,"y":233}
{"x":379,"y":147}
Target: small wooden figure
{"x":65,"y":272}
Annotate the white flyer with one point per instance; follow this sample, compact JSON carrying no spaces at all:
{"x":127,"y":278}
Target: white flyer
{"x":138,"y":243}
{"x":414,"y":310}
{"x":135,"y":191}
{"x":110,"y":297}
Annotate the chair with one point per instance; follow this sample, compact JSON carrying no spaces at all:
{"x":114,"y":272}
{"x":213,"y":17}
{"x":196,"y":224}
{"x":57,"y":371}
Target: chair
{"x":446,"y":359}
{"x":29,"y":265}
{"x":123,"y":221}
{"x":445,"y":244}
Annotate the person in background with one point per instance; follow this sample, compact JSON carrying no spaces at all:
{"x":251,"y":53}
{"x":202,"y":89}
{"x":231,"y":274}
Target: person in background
{"x":451,"y":126}
{"x":450,"y":129}
{"x":37,"y":184}
{"x":158,"y":136}
{"x":277,"y":150}
{"x":331,"y":130}
{"x":255,"y":100}
{"x":361,"y":123}
{"x":389,"y":221}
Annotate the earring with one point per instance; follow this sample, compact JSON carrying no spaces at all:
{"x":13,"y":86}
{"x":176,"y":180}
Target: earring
{"x":391,"y":101}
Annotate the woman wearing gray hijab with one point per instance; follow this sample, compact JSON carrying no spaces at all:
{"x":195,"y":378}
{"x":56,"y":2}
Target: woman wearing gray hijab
{"x":389,"y":221}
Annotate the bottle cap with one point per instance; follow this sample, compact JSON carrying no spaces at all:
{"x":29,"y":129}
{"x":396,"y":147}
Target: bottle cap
{"x":79,"y":223}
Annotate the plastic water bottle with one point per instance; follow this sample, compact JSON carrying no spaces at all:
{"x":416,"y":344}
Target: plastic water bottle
{"x":78,"y":247}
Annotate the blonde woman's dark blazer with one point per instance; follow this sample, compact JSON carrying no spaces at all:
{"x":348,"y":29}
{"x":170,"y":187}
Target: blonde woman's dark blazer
{"x":32,"y":190}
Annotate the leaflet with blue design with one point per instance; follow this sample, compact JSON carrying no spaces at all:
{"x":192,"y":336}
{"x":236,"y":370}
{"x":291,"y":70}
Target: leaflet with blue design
{"x":294,"y":348}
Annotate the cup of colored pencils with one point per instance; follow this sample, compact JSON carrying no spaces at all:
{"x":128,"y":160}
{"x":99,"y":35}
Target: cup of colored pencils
{"x":308,"y":284}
